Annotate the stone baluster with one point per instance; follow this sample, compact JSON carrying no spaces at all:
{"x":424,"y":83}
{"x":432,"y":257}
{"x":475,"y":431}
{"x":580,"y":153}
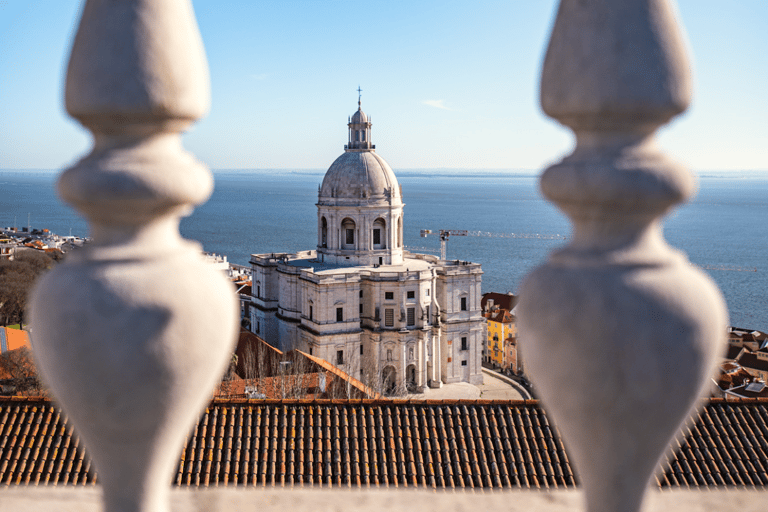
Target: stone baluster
{"x":620,"y":333}
{"x":133,"y":332}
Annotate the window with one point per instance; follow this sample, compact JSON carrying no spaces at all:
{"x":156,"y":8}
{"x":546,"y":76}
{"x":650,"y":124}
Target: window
{"x":310,"y":312}
{"x":464,"y":344}
{"x":310,"y":350}
{"x":361,"y":294}
{"x":361,"y":351}
{"x":427,"y":292}
{"x":350,"y":236}
{"x":411,"y":294}
{"x":376,"y":316}
{"x":324,"y":233}
{"x":376,"y":237}
{"x":258,"y":326}
{"x":339,"y":314}
{"x":361,"y":308}
{"x":339,"y":357}
{"x":411,"y":316}
{"x":427,"y":313}
{"x":389,"y":317}
{"x":463,"y":363}
{"x":258,"y":290}
{"x":389,"y":295}
{"x":463,"y":303}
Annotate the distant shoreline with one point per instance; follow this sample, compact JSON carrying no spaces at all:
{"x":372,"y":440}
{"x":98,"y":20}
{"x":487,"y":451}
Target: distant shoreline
{"x":424,"y":173}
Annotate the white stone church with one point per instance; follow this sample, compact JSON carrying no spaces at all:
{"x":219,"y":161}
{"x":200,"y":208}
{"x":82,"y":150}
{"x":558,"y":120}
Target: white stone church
{"x":395,"y":320}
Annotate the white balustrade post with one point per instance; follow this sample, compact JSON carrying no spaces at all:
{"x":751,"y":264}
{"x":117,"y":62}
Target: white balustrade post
{"x":619,"y":332}
{"x":133,"y":332}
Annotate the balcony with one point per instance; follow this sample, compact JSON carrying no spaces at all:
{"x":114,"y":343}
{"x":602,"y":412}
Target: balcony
{"x":132,"y":351}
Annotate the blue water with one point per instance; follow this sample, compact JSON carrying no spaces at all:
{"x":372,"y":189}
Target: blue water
{"x":725,"y":226}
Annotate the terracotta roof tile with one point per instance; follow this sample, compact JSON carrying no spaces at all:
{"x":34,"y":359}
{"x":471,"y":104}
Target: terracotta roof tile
{"x":483,"y":444}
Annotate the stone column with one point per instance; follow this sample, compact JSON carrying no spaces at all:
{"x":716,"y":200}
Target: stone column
{"x":620,"y":332}
{"x":133,"y":332}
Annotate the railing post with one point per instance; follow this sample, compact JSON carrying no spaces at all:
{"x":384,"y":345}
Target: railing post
{"x":619,"y":332}
{"x":133,"y":332}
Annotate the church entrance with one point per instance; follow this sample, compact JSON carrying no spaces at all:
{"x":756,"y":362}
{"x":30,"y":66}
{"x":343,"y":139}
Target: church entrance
{"x":388,"y":380}
{"x":410,"y":377}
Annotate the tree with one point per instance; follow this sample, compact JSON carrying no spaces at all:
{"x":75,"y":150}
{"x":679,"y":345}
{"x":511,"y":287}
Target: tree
{"x":18,"y":367}
{"x":17,"y":277}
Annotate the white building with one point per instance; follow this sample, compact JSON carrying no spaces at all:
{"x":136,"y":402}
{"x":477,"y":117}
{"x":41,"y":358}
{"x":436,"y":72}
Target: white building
{"x":393,"y":319}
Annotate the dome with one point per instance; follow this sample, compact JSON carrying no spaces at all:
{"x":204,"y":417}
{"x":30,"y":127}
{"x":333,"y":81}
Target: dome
{"x":359,"y":177}
{"x":359,"y":117}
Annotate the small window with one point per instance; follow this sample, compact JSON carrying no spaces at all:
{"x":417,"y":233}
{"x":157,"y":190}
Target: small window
{"x":389,"y":295}
{"x":389,"y":317}
{"x":411,"y":294}
{"x":339,"y":314}
{"x":361,"y":308}
{"x":361,"y":350}
{"x":310,"y":313}
{"x":339,"y":357}
{"x":361,"y":294}
{"x":411,"y":316}
{"x":310,"y":350}
{"x":381,"y":260}
{"x":427,"y":313}
{"x":427,"y":292}
{"x":463,"y":363}
{"x":377,"y":236}
{"x":463,"y":303}
{"x":350,"y":236}
{"x":258,"y":326}
{"x":376,"y":316}
{"x":464,"y":344}
{"x":258,"y":291}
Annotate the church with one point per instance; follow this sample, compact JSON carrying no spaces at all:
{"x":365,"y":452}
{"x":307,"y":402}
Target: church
{"x":397,"y":321}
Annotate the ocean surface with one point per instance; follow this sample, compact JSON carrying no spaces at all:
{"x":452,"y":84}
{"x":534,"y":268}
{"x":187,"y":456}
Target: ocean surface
{"x":724,"y":229}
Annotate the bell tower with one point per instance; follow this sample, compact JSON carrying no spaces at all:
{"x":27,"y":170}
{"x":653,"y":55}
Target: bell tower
{"x":359,"y":128}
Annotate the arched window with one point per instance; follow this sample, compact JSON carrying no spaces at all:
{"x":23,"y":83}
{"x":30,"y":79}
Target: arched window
{"x":324,"y":233}
{"x":379,"y":234}
{"x":347,"y":233}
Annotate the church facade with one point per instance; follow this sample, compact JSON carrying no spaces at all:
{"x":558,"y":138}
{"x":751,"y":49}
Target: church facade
{"x":395,"y":320}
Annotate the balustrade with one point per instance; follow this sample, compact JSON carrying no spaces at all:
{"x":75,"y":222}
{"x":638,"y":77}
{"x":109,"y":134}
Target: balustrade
{"x":133,"y":332}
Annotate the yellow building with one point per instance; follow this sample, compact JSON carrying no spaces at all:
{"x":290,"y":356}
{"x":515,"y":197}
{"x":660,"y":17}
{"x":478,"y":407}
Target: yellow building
{"x":501,"y":340}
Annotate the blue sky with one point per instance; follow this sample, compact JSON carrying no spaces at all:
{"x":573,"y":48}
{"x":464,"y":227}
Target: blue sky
{"x":448,"y":84}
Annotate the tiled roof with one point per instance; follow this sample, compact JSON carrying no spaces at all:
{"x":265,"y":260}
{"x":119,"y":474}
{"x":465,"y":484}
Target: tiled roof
{"x":353,"y":382}
{"x":477,"y":444}
{"x":750,"y":360}
{"x":502,"y":300}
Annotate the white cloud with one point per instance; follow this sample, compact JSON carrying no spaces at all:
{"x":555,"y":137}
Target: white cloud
{"x":436,"y":104}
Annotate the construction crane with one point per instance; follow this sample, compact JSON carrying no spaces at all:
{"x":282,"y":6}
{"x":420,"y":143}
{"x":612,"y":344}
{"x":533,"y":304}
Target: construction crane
{"x":444,"y":235}
{"x":447,"y":233}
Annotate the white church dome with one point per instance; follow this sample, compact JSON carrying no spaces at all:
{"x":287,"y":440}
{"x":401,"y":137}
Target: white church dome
{"x":360,"y":177}
{"x":359,"y":117}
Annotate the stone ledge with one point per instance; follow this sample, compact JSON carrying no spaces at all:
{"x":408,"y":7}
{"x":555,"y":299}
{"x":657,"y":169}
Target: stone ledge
{"x":79,"y":499}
